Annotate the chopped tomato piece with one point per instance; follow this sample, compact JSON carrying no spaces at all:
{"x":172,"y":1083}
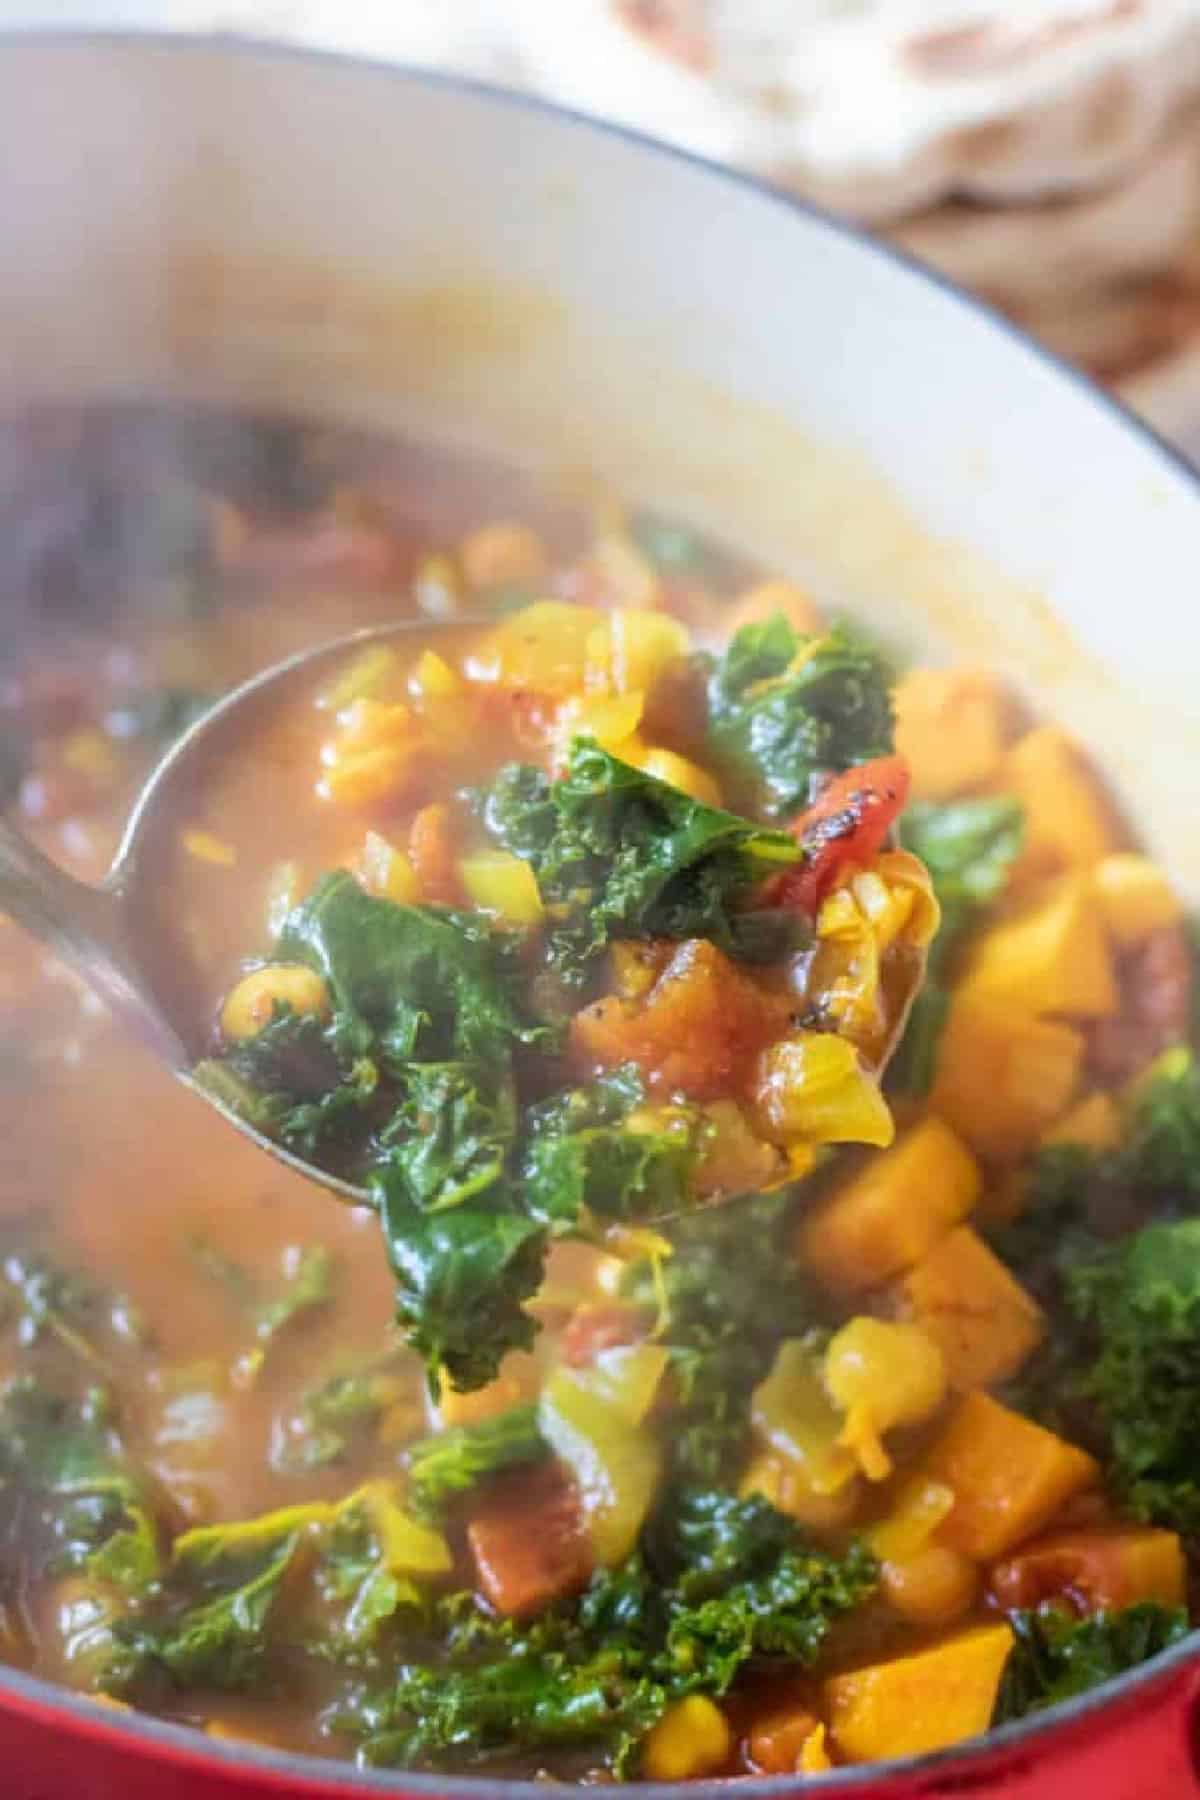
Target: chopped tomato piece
{"x":848,"y":826}
{"x":530,"y":1543}
{"x":696,"y":1032}
{"x":431,"y":851}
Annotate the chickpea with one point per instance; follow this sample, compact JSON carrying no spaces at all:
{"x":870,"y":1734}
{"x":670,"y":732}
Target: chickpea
{"x":882,"y":1375}
{"x":935,"y":1586}
{"x":895,"y":1370}
{"x":251,"y":1005}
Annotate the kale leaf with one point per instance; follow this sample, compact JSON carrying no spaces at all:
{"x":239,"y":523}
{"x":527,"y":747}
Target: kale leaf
{"x":743,"y":1586}
{"x":785,"y":708}
{"x":463,"y":1276}
{"x":719,"y":1583}
{"x":408,"y":981}
{"x":1057,"y":1655}
{"x":450,"y":1137}
{"x":968,"y":846}
{"x":208,"y":1625}
{"x":581,"y":1158}
{"x":335,"y":1413}
{"x":1075,"y":1197}
{"x":1118,"y":1332}
{"x":1140,"y":1302}
{"x":441,"y":1469}
{"x":48,"y":1302}
{"x":730,"y":1291}
{"x":620,"y":854}
{"x":81,"y":1502}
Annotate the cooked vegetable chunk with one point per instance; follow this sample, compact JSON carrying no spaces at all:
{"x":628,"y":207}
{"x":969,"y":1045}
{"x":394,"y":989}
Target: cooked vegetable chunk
{"x":1008,"y":1476}
{"x":891,"y":1211}
{"x":965,"y":1300}
{"x":922,"y":1702}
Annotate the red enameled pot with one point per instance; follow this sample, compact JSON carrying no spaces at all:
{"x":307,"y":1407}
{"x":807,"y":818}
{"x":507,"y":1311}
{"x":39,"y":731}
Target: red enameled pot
{"x":236,"y":223}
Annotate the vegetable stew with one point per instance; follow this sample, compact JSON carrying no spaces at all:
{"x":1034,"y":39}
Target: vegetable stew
{"x":770,"y":1338}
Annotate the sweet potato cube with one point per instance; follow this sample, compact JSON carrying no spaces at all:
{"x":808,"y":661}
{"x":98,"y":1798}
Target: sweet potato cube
{"x":530,"y":1543}
{"x":951,"y":728}
{"x":1103,"y":1569}
{"x":1068,"y":819}
{"x":964,"y":1298}
{"x":1009,"y":1476}
{"x":697,"y":1030}
{"x":893,"y":1210}
{"x":1052,"y":955}
{"x":912,"y":1704}
{"x":1003,"y":1076}
{"x":1135,"y":897}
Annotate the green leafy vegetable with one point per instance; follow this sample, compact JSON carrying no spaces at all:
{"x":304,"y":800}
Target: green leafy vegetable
{"x":968,"y":846}
{"x":81,"y":1503}
{"x":1140,"y":1301}
{"x":731,"y":1292}
{"x":337,"y":1412}
{"x":1057,"y":1655}
{"x":408,"y":981}
{"x":721,"y":1582}
{"x":49,"y":1302}
{"x":580,"y":1158}
{"x":208,"y":1626}
{"x":1120,"y":1332}
{"x":442,"y":1469}
{"x":450,"y":1137}
{"x":463,"y":1277}
{"x":1076,"y":1197}
{"x":784,"y":708}
{"x":621,"y":854}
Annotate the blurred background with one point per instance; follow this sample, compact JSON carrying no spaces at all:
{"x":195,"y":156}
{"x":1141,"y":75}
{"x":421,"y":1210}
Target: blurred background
{"x":1045,"y":153}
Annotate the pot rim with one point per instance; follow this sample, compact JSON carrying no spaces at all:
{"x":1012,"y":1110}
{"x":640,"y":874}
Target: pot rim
{"x":964,"y":1764}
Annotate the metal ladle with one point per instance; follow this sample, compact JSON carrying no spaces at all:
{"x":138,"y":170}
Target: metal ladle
{"x":96,"y":929}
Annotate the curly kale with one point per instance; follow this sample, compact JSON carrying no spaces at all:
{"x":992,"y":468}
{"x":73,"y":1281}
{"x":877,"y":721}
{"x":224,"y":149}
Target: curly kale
{"x":729,"y":1293}
{"x":444,"y":1468}
{"x":719,"y":1584}
{"x":1139,"y":1303}
{"x":620,"y":854}
{"x":81,"y":1503}
{"x":1077,"y":1197}
{"x":784,"y":709}
{"x":1122,"y":1368}
{"x":1057,"y":1655}
{"x":580,"y":1160}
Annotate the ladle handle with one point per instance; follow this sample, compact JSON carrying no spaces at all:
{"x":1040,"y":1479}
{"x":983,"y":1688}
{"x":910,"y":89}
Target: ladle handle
{"x":84,"y":926}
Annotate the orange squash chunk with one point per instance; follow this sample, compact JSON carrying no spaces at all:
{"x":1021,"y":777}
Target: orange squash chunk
{"x":1052,"y":954}
{"x":1009,"y":1476}
{"x":913,"y":1704}
{"x":891,"y":1212}
{"x":1069,"y":822}
{"x":951,"y":725}
{"x":1003,"y":1075}
{"x":696,"y":1032}
{"x":964,"y":1298}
